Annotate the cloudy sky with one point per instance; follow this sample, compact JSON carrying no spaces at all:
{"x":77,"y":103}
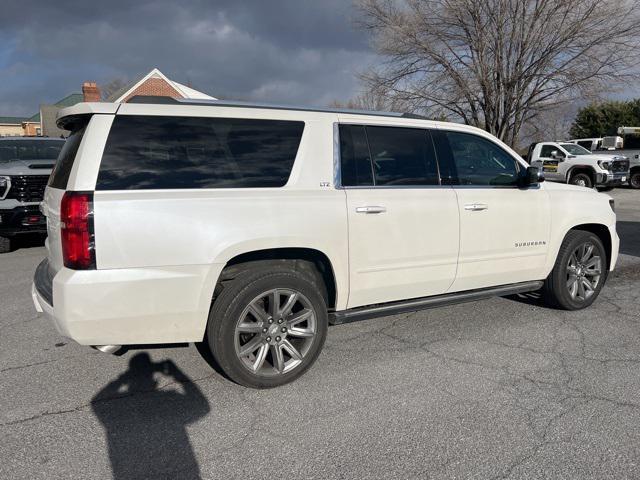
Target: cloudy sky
{"x":293,"y":51}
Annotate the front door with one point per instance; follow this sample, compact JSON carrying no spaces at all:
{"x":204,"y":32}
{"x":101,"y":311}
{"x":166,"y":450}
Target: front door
{"x":403,"y":225}
{"x":551,"y":165}
{"x":504,"y":229}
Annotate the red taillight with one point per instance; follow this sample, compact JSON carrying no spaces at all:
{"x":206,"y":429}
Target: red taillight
{"x":76,"y":228}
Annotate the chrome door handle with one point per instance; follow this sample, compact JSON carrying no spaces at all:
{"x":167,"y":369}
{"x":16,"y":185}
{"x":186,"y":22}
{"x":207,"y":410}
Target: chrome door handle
{"x":371,"y":209}
{"x":474,"y":207}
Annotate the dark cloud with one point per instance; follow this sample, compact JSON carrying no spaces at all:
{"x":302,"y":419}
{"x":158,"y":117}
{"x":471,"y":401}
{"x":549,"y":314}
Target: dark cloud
{"x":277,"y":50}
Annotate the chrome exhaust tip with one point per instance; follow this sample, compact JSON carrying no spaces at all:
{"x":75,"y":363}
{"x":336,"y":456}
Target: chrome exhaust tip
{"x":112,"y":349}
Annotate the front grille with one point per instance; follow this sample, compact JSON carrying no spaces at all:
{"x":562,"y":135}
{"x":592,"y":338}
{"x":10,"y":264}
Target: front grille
{"x":28,"y":188}
{"x":620,"y":166}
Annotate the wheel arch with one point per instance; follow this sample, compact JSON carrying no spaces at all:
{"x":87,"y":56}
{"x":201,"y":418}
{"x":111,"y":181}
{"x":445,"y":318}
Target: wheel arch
{"x":602,"y":232}
{"x":587,"y":169}
{"x":301,"y":257}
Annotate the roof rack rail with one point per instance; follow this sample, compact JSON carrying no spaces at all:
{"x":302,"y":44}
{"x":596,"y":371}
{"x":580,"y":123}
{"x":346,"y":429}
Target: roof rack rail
{"x":147,"y":99}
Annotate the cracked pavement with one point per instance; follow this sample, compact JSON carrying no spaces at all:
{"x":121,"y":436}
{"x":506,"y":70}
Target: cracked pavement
{"x":503,"y":388}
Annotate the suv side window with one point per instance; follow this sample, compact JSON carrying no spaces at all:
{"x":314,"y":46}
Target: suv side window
{"x":391,"y":156}
{"x":155,"y":152}
{"x":355,"y":162}
{"x":402,"y":156}
{"x":479,"y":161}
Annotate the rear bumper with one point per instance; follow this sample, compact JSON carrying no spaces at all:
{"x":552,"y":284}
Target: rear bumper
{"x":128,"y":306}
{"x":26,"y":219}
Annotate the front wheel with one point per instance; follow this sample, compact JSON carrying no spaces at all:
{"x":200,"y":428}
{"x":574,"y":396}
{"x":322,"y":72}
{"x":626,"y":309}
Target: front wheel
{"x":579,"y":272}
{"x":267,"y":326}
{"x":634,"y":179}
{"x":582,"y":180}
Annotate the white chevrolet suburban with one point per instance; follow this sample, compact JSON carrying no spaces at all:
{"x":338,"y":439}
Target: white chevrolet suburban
{"x":568,"y":162}
{"x":251,"y":227}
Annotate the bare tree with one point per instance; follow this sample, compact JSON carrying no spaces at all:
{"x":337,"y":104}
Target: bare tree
{"x":497,"y":64}
{"x":369,"y":100}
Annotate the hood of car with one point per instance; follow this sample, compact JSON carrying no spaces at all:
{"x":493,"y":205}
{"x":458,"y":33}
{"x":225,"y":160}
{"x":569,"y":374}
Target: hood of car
{"x":601,"y":157}
{"x":26,"y":167}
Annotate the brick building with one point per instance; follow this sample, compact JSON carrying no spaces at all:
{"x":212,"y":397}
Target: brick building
{"x":155,"y":83}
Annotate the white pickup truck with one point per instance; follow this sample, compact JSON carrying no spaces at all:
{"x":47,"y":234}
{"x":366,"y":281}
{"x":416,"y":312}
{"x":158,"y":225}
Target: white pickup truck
{"x":570,"y":163}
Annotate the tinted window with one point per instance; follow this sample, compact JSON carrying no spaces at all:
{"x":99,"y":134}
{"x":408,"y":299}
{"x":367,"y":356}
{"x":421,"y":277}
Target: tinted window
{"x":586,"y":144}
{"x":402,"y":156}
{"x":355,"y":163}
{"x":151,"y":152}
{"x":62,"y":169}
{"x":30,"y":150}
{"x":631,"y":140}
{"x":479,"y":161}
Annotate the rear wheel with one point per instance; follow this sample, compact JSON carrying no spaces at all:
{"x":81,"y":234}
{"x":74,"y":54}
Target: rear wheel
{"x":267,"y":326}
{"x":634,"y":179}
{"x":582,"y":180}
{"x":579,"y":273}
{"x":5,"y":244}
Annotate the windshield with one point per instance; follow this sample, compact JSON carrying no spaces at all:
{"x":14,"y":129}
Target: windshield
{"x":574,"y":149}
{"x":12,"y":150}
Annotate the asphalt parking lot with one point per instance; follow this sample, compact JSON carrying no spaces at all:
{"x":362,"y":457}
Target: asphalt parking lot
{"x":503,"y":388}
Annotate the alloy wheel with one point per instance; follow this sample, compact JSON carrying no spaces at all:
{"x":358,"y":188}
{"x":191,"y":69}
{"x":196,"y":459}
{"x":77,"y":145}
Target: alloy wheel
{"x":584,"y":270}
{"x":275,"y":332}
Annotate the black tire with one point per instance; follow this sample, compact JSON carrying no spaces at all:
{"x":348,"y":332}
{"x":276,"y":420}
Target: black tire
{"x":634,"y":179}
{"x":231,"y":300}
{"x":581,"y":179}
{"x":556,"y":291}
{"x":5,"y":244}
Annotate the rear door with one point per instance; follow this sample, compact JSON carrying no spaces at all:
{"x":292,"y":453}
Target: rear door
{"x":56,"y":187}
{"x":76,"y":169}
{"x":403,"y":224}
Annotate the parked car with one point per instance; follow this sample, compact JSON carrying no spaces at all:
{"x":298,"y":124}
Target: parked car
{"x":627,"y":143}
{"x":570,"y":163}
{"x":25,"y":165}
{"x":591,"y":144}
{"x":251,"y":228}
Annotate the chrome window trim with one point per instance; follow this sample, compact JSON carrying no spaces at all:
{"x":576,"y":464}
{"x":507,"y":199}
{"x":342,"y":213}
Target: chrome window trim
{"x":6,"y":192}
{"x":337,"y":160}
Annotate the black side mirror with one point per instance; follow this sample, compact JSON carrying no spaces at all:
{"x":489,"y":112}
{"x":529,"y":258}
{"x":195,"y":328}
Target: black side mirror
{"x":532,"y":177}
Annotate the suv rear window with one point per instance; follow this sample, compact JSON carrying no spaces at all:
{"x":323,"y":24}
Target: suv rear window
{"x":157,"y":152}
{"x":62,"y":169}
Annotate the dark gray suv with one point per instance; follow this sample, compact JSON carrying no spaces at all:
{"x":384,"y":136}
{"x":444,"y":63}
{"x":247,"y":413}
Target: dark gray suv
{"x":25,"y":165}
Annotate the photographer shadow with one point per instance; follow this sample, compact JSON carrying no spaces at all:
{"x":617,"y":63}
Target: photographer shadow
{"x":145,"y":426}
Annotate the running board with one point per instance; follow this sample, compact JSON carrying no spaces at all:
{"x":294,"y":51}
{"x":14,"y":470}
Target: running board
{"x":416,"y":304}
